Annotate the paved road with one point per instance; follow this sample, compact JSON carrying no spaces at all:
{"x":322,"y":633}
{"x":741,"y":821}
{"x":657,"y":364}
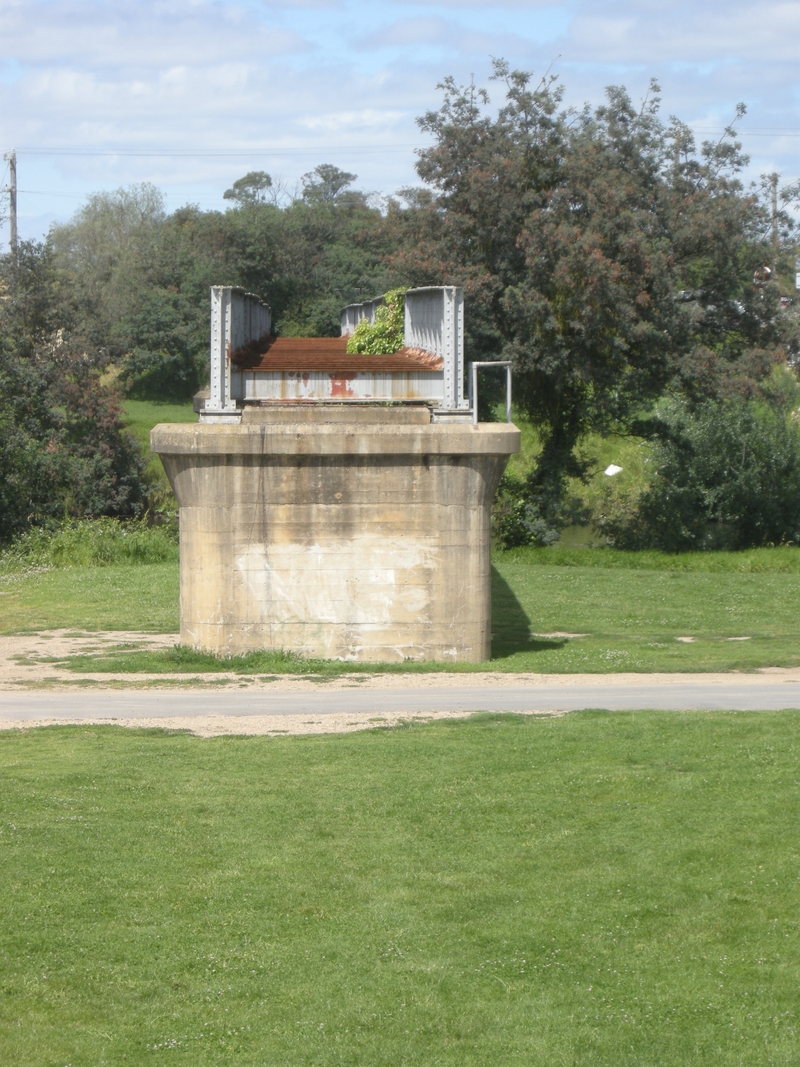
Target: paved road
{"x":139,"y":704}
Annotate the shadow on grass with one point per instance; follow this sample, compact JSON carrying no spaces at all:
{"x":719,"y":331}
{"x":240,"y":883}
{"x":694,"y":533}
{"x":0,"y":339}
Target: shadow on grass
{"x":511,"y":634}
{"x":511,"y":625}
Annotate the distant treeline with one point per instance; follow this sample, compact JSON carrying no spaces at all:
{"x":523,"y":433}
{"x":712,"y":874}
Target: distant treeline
{"x":619,"y":265}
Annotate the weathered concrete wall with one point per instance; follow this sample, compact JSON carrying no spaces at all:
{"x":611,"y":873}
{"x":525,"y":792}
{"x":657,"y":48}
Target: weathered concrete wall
{"x":365,"y":540}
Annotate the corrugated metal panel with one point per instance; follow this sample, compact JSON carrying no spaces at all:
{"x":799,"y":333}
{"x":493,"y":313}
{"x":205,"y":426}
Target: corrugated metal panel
{"x":434,"y":322}
{"x":320,"y":385}
{"x":351,"y":315}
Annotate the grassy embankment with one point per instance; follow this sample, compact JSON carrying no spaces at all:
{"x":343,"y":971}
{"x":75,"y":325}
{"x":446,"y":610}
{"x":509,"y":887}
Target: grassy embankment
{"x":597,"y":889}
{"x":142,"y":416}
{"x":599,"y":491}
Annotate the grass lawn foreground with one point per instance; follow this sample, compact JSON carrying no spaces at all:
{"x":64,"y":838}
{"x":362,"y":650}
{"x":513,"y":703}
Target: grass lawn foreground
{"x":603,"y":889}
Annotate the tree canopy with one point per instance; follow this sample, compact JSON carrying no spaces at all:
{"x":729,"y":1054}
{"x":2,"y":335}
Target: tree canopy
{"x":64,"y":452}
{"x":602,"y":252}
{"x":612,"y":259}
{"x":250,"y":190}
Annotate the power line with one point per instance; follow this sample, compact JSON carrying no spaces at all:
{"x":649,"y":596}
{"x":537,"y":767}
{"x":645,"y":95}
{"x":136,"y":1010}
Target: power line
{"x":43,"y":192}
{"x":216,"y":154}
{"x":252,"y":153}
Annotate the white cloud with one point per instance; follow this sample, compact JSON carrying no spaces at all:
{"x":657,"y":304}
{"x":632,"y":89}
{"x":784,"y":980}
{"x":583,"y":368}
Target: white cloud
{"x":369,"y":119}
{"x":625,"y":32}
{"x":292,"y":84}
{"x":408,"y":32}
{"x":142,"y":34}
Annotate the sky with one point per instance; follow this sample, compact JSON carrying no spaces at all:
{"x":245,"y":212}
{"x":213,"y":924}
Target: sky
{"x":191,"y":95}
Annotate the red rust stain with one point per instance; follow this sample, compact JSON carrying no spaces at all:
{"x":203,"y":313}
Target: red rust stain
{"x":340,"y":384}
{"x":328,"y":354}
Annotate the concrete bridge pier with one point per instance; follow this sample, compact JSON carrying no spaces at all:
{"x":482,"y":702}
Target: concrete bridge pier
{"x":341,"y":531}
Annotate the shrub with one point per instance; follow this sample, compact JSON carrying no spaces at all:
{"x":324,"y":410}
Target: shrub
{"x":517,"y":518}
{"x":64,"y":451}
{"x":726,"y":476}
{"x":92,"y":543}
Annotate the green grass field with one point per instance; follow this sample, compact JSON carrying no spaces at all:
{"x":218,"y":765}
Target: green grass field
{"x":141,"y":417}
{"x":600,"y":889}
{"x":92,"y":598}
{"x":739,"y":609}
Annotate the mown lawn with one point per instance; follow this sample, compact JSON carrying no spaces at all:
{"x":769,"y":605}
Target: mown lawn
{"x":603,"y":889}
{"x":92,"y":598}
{"x":739,"y":610}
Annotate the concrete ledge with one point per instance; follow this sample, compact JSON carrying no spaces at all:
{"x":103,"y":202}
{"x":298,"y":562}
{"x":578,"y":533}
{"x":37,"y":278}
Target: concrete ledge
{"x":330,"y":439}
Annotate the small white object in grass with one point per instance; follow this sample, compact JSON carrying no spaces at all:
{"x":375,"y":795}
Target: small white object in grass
{"x":686,"y":640}
{"x":612,"y":469}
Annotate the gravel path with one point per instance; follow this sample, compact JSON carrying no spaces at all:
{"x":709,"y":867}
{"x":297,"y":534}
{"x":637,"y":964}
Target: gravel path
{"x":324,"y":709}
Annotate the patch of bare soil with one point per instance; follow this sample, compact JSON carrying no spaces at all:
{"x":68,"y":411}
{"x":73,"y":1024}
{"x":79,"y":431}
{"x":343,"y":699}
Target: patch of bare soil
{"x":261,"y":725}
{"x":24,"y":658}
{"x":24,"y":665}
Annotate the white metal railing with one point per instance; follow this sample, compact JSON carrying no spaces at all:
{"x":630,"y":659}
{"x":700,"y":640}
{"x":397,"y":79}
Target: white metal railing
{"x":237,"y":319}
{"x":473,"y":385}
{"x":351,"y":315}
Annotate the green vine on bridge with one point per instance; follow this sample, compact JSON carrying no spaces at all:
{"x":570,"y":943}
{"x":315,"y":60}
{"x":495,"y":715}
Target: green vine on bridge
{"x":386,"y":333}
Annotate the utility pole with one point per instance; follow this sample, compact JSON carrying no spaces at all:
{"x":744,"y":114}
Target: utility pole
{"x":773,"y":181}
{"x":11,"y":159}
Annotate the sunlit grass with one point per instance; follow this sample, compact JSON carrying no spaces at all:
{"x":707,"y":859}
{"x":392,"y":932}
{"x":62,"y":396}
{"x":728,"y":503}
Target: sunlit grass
{"x":565,"y":618}
{"x":115,"y":597}
{"x":629,"y":453}
{"x":141,"y":417}
{"x":596,"y":889}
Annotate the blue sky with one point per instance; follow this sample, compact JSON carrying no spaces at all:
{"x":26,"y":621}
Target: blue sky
{"x":136,"y":86}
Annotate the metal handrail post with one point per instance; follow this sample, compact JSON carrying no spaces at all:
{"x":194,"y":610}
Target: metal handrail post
{"x":473,"y":385}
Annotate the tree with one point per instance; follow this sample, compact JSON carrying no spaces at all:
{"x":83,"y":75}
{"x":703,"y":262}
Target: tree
{"x":726,"y":476}
{"x":63,"y":449}
{"x":142,"y":276}
{"x":607,"y":271}
{"x":250,"y":190}
{"x":107,"y":248}
{"x":141,"y":284}
{"x":327,"y":184}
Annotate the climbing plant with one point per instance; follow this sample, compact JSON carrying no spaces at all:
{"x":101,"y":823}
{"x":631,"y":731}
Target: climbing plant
{"x":385,"y":334}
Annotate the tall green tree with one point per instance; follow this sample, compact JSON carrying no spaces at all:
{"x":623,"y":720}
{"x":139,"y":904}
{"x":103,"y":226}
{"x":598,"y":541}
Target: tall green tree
{"x":64,"y":452}
{"x":602,"y":253}
{"x":141,"y":277}
{"x":254,"y":188}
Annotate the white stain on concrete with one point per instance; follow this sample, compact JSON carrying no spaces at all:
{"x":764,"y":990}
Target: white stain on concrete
{"x":367,"y":580}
